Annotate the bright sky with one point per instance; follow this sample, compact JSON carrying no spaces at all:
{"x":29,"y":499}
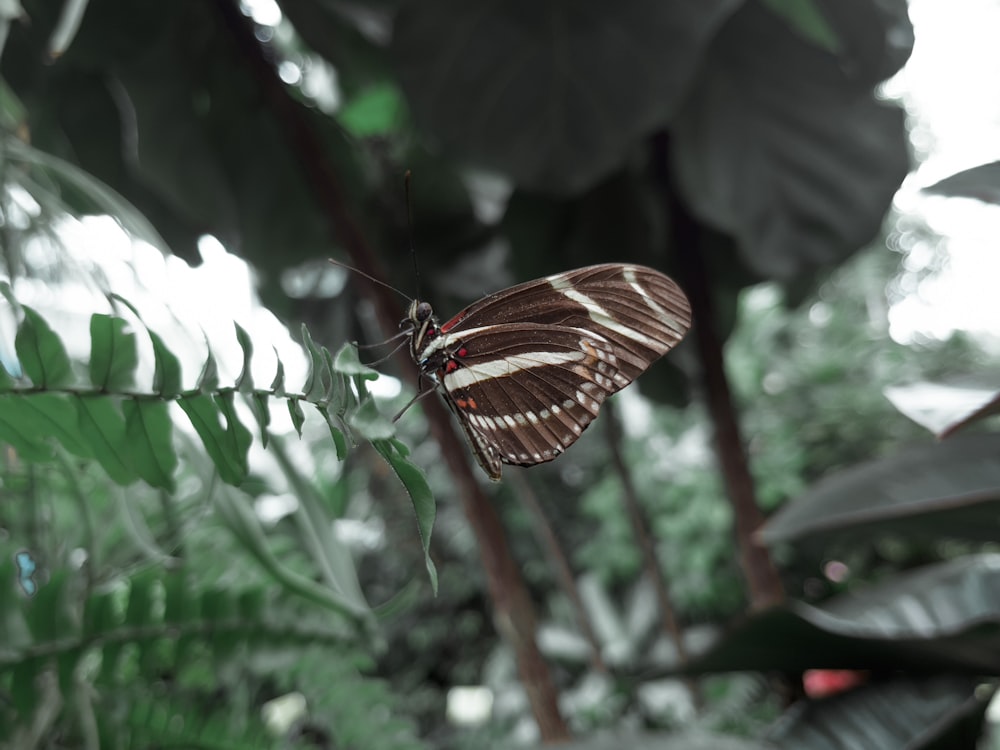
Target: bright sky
{"x":949,"y":89}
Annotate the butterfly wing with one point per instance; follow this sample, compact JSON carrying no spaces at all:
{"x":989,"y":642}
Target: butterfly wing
{"x":528,"y":368}
{"x":640,"y":310}
{"x":524,"y":392}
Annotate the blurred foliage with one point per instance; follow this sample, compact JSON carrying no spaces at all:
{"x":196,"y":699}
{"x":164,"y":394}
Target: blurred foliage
{"x":163,"y":577}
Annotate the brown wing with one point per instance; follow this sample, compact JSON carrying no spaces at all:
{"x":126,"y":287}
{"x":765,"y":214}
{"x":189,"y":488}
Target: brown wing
{"x":640,"y":310}
{"x":525,"y":392}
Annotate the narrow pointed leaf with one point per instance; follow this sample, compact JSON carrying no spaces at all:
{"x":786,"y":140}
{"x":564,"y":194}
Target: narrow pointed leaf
{"x":278,"y":384}
{"x":41,"y":352}
{"x":238,"y":436}
{"x":103,"y":426}
{"x":339,"y":441}
{"x":113,"y":353}
{"x":314,"y":387}
{"x":420,"y":494}
{"x":295,"y":412}
{"x":167,"y":370}
{"x":208,"y":380}
{"x":244,"y":383}
{"x":149,"y":441}
{"x":260,"y":404}
{"x":205,"y":418}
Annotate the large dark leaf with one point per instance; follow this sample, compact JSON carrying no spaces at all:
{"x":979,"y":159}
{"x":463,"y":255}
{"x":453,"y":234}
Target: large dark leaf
{"x":553,"y":95}
{"x":943,"y":712}
{"x":941,"y":618}
{"x":783,"y":145}
{"x":945,"y":408}
{"x":935,"y":490}
{"x":981,"y":183}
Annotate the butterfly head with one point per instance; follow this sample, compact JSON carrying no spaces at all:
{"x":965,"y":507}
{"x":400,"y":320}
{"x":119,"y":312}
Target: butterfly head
{"x":421,"y":323}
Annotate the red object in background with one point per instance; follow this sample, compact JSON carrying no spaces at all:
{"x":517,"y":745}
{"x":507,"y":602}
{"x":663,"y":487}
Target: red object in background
{"x":820,"y":683}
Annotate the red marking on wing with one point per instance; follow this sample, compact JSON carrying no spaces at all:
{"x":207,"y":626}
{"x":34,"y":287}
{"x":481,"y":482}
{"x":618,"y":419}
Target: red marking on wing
{"x":472,"y":403}
{"x":462,"y":352}
{"x":454,"y":321}
{"x":451,"y":366}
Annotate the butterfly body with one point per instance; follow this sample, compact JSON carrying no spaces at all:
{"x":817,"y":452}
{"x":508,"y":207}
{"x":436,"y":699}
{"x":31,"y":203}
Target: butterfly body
{"x":525,"y":370}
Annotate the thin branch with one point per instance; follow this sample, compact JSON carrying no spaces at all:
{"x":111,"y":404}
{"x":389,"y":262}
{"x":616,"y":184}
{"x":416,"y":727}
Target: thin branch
{"x":640,"y":529}
{"x":557,"y":559}
{"x":691,"y":244}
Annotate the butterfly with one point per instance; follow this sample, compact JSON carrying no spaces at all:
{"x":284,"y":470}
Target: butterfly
{"x":526,"y":369}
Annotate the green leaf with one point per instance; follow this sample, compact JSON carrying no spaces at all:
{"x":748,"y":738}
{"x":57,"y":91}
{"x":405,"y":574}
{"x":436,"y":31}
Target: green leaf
{"x":244,"y":383}
{"x":103,"y":427}
{"x":40,"y":416}
{"x":339,"y":441}
{"x":22,"y":433}
{"x":238,"y":435}
{"x":222,"y":447}
{"x":149,"y":441}
{"x":278,"y":384}
{"x":347,"y":362}
{"x":167,"y":370}
{"x":369,"y":422}
{"x":246,"y":527}
{"x":315,"y":387}
{"x":260,"y":404}
{"x":296,"y":413}
{"x":420,"y":494}
{"x":6,"y":380}
{"x":377,"y":111}
{"x":208,"y":380}
{"x":41,"y":352}
{"x":113,"y":353}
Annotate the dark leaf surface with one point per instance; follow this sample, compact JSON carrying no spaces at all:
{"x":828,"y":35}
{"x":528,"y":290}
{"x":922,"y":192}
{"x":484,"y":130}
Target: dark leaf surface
{"x":937,"y":489}
{"x":981,"y":183}
{"x":941,"y":712}
{"x":940,"y":618}
{"x":789,"y":151}
{"x":556,"y":98}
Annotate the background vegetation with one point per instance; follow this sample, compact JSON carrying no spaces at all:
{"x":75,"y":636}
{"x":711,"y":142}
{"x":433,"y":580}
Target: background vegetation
{"x":210,"y":535}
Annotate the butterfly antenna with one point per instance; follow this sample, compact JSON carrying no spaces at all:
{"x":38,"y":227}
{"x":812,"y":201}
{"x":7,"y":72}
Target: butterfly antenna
{"x":409,"y":228}
{"x":371,"y":278}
